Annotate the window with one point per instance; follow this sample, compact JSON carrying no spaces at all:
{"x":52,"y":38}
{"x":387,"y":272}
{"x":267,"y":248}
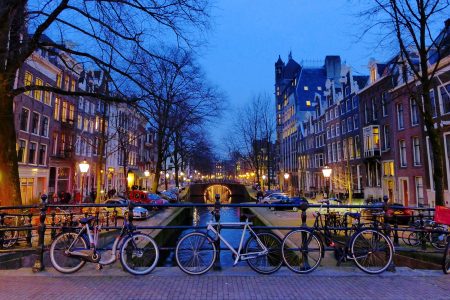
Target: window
{"x":21,"y":151}
{"x":374,"y":109}
{"x":35,"y":123}
{"x":308,"y":103}
{"x":338,"y":129}
{"x":66,"y":83}
{"x":333,"y":146}
{"x":388,"y":168}
{"x":47,"y":97}
{"x":355,"y":102}
{"x":338,"y":145}
{"x":366,"y":113}
{"x":444,"y":92}
{"x":27,"y":81}
{"x":349,"y":124}
{"x":72,"y":87}
{"x":58,"y":80}
{"x":386,"y":137}
{"x":57,"y":109}
{"x":80,"y":122}
{"x":24,"y":119}
{"x":305,"y":88}
{"x":44,"y":126}
{"x":419,"y":189}
{"x":342,"y":108}
{"x":81,"y":103}
{"x":42,"y":154}
{"x":402,"y":152}
{"x":319,"y":88}
{"x":86,"y":125}
{"x":65,"y":107}
{"x":32,"y":153}
{"x":351,"y":148}
{"x":332,"y":131}
{"x":71,"y":112}
{"x":416,"y":151}
{"x":414,"y":112}
{"x":38,"y":93}
{"x":344,"y":126}
{"x":384,"y":104}
{"x":349,"y":105}
{"x":373,"y":73}
{"x":400,"y":120}
{"x":357,"y":147}
{"x":336,"y":112}
{"x":328,"y":132}
{"x":356,"y":121}
{"x":345,"y":150}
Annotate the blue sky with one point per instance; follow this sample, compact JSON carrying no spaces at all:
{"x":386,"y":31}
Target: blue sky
{"x":248,"y":35}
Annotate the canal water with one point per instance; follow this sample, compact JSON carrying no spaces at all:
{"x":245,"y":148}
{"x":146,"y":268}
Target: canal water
{"x":200,"y":217}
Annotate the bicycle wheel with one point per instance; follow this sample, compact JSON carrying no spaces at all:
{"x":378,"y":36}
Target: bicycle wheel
{"x":195,"y":253}
{"x":10,"y":238}
{"x":270,"y":262}
{"x":438,"y":240}
{"x":413,"y":239}
{"x":63,"y":262}
{"x":139,"y":254}
{"x":302,"y":251}
{"x":372,"y":251}
{"x":446,"y":260}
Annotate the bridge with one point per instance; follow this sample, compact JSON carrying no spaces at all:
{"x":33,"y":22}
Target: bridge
{"x":229,"y":191}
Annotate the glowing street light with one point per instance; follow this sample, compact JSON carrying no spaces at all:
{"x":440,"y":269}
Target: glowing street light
{"x":84,"y":168}
{"x":147,"y":174}
{"x":326,"y":171}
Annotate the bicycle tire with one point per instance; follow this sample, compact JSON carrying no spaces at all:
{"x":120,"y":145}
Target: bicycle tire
{"x":195,"y":253}
{"x":301,"y":247}
{"x":413,"y":239}
{"x":372,"y":251}
{"x":62,"y":262}
{"x":446,"y":258}
{"x":272,"y":261}
{"x":438,"y":240}
{"x":139,"y":254}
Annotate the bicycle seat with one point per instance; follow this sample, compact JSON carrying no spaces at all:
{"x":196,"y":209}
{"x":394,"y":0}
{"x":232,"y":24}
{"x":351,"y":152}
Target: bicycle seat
{"x":353,"y":215}
{"x":84,"y":221}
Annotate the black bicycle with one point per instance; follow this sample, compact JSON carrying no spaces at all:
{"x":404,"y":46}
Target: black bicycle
{"x":370,"y":249}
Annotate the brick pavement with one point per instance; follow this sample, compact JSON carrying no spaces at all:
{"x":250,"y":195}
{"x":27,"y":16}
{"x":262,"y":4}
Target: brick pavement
{"x":231,"y":283}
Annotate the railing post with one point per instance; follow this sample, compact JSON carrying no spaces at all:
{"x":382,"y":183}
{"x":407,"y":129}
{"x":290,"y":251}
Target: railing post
{"x":30,"y":226}
{"x":387,"y":228}
{"x":2,"y":233}
{"x":396,"y":243}
{"x":39,"y":262}
{"x":421,"y":234}
{"x":217,"y":265}
{"x":303,"y":207}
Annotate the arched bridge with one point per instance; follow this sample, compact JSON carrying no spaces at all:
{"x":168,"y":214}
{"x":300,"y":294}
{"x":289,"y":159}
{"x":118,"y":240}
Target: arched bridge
{"x":230,"y":192}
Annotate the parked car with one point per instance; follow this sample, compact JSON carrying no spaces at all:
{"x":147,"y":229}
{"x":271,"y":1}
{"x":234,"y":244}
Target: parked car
{"x":156,"y":199}
{"x":169,"y":196}
{"x":274,"y":198}
{"x":295,"y":201}
{"x":138,"y":212}
{"x":395,"y":212}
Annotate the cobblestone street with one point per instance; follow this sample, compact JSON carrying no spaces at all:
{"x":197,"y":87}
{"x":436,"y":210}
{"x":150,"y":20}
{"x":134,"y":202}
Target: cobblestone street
{"x":231,"y":283}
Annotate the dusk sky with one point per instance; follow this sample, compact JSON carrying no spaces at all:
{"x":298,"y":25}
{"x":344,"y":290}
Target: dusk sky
{"x":248,"y":35}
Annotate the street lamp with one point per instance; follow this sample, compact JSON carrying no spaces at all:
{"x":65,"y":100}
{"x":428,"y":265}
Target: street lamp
{"x":264,"y":179}
{"x":146,"y":173}
{"x":286,"y":177}
{"x":326,"y":171}
{"x":84,"y":168}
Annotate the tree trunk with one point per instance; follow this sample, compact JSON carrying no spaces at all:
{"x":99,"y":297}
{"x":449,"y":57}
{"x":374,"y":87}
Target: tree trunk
{"x":9,"y":169}
{"x":100,"y":160}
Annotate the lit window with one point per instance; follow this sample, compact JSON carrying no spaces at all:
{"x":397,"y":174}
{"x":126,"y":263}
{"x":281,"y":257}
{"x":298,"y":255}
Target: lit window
{"x":319,"y":88}
{"x":27,"y":80}
{"x":308,"y":103}
{"x":305,"y":88}
{"x":38,"y":93}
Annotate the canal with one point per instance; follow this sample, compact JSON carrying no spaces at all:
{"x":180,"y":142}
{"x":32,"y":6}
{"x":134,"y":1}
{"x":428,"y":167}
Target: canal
{"x":200,"y":216}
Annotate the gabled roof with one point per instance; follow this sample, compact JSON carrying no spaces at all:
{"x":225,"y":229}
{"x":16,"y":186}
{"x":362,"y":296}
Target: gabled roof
{"x":291,"y":69}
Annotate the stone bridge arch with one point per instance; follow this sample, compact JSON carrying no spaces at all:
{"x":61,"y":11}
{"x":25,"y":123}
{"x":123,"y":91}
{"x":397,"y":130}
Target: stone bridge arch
{"x":198,"y":192}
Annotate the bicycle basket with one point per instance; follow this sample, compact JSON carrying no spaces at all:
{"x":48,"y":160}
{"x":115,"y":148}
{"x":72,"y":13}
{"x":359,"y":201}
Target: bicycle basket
{"x":442,"y":215}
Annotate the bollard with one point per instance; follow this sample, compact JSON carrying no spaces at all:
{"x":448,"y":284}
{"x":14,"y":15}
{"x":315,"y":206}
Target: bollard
{"x":39,"y":262}
{"x":217,"y":266}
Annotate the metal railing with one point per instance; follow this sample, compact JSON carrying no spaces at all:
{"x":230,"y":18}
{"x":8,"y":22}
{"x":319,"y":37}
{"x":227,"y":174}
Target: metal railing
{"x":33,"y":227}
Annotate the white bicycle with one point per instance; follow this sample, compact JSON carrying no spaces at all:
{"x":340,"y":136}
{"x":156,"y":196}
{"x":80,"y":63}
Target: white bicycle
{"x":196,"y":252}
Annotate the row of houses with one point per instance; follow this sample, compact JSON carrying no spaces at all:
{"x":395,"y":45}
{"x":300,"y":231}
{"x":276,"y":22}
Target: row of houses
{"x":367,"y":129}
{"x":55,"y":132}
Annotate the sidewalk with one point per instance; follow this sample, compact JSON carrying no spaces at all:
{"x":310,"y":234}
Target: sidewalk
{"x":231,"y":283}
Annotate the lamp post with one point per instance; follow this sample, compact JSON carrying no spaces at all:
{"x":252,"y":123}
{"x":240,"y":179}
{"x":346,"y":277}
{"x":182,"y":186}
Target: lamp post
{"x":84,"y":168}
{"x":326,"y":171}
{"x":286,"y":178}
{"x":146,"y":173}
{"x":263,"y":179}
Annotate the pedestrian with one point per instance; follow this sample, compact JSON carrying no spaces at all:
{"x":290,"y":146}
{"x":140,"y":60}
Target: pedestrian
{"x":259,"y":196}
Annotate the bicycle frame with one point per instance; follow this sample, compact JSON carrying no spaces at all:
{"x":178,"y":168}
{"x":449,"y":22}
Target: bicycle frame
{"x":239,"y":256}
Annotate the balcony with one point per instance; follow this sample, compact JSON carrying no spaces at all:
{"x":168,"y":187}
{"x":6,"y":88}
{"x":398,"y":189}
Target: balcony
{"x":371,"y":135}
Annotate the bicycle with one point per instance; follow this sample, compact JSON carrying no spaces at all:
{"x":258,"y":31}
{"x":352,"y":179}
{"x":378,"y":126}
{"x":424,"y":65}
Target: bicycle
{"x":442,"y":216}
{"x":70,"y":251}
{"x":303,"y":248}
{"x":196,"y":252}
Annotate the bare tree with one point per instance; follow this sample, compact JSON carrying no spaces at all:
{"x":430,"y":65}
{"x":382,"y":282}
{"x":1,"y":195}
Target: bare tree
{"x":253,"y":133}
{"x":413,"y":23}
{"x":178,"y":97}
{"x":136,"y":25}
